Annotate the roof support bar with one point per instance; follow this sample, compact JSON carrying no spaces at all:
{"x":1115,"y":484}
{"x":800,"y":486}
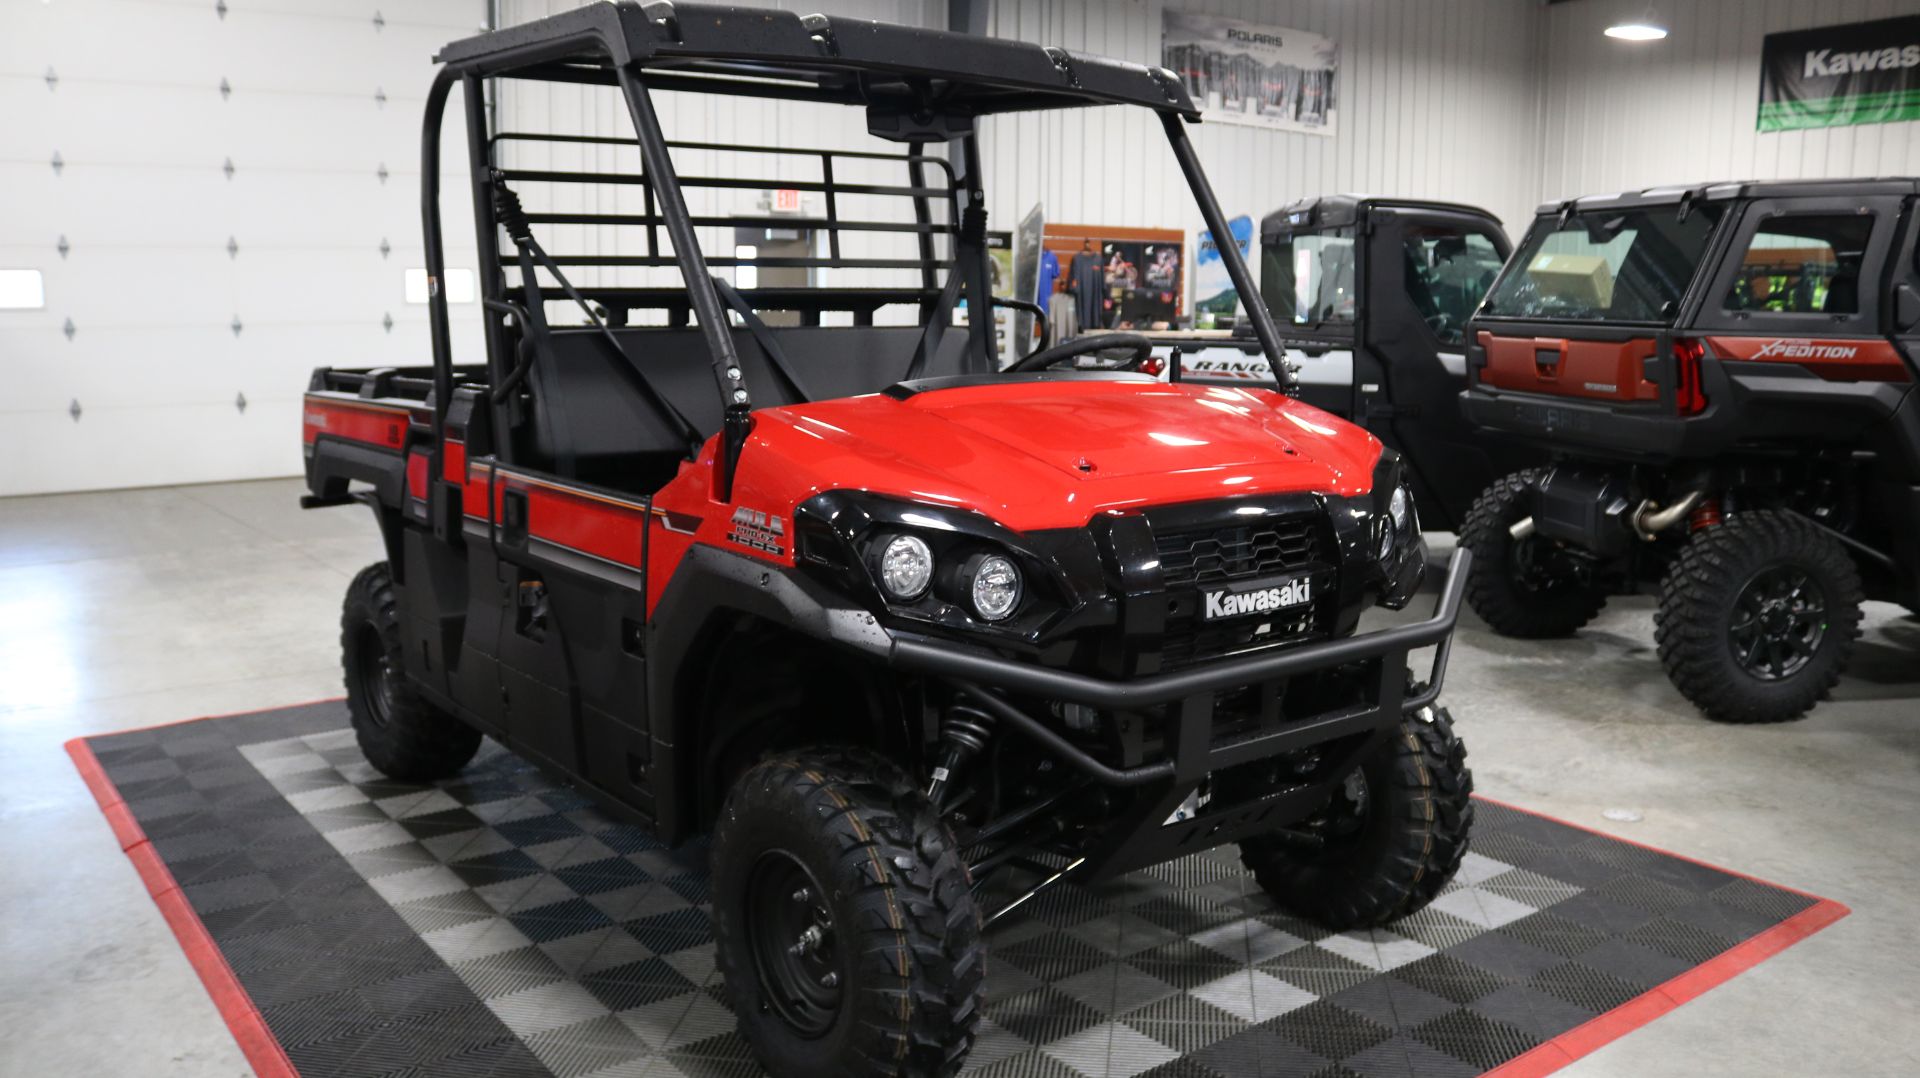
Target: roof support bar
{"x":1243,"y":281}
{"x":699,"y":281}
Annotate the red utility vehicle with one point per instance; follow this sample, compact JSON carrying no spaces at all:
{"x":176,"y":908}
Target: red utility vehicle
{"x":911,"y":638}
{"x":1725,"y":376}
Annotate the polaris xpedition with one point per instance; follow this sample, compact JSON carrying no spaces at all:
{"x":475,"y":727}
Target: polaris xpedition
{"x":910,"y":638}
{"x":1724,"y":374}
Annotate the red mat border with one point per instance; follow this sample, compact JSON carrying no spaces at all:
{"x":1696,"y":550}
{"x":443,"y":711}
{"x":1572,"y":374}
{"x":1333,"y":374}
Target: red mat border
{"x":269,"y":1059}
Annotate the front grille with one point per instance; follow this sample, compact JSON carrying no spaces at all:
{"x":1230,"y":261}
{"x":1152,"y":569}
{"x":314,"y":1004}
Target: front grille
{"x":1188,"y":641}
{"x":1206,"y":556}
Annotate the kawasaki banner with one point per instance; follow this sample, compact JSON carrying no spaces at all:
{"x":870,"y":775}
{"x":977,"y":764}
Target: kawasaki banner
{"x":1860,"y":73}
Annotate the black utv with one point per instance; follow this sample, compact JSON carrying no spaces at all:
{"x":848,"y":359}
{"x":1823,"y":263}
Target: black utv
{"x":1372,"y":296}
{"x":1724,"y":374}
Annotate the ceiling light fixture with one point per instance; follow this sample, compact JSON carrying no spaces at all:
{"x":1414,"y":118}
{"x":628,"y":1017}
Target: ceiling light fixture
{"x":1636,"y":31}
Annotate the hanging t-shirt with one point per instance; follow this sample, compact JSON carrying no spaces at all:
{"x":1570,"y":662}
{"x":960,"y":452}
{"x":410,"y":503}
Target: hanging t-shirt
{"x":1049,"y":273}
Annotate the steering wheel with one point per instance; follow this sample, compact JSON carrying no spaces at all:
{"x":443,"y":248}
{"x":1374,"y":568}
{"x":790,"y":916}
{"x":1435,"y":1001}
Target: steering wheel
{"x":1138,"y":344}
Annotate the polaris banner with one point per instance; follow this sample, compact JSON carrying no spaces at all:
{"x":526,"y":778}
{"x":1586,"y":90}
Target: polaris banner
{"x":1261,"y":76}
{"x":1836,"y":76}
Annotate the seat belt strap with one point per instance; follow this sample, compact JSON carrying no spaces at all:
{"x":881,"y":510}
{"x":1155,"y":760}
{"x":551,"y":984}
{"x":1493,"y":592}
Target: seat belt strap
{"x":507,"y":210}
{"x":763,"y":336}
{"x":936,"y":328}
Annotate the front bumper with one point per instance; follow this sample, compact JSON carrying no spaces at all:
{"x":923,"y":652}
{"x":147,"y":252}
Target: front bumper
{"x":1193,"y":751}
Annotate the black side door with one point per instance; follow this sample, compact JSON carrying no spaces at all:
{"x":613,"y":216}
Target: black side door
{"x":1309,"y":280}
{"x":1424,"y":271}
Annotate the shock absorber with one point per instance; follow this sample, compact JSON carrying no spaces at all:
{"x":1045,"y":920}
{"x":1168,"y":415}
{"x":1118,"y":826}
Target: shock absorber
{"x":964,"y":733}
{"x":1704,"y":516}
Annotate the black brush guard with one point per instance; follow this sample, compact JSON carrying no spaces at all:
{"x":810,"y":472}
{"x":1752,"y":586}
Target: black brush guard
{"x":1140,"y":836}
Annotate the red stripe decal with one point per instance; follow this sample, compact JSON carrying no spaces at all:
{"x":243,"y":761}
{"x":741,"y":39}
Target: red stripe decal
{"x":243,"y":1019}
{"x":371,"y":423}
{"x":1689,"y":985}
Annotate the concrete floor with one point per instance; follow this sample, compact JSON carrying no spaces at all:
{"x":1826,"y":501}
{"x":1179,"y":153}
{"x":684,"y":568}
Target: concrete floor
{"x":132,"y":608}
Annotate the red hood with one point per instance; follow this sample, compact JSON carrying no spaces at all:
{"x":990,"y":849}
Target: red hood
{"x":1037,"y":455}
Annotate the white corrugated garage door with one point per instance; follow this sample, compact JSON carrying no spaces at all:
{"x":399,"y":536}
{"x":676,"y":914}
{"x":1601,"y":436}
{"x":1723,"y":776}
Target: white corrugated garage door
{"x":218,"y":197}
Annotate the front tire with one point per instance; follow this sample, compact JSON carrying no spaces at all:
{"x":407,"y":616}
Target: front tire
{"x":402,"y":734}
{"x":1388,"y":842}
{"x":1758,"y":617}
{"x":1513,"y":584}
{"x":844,"y":921}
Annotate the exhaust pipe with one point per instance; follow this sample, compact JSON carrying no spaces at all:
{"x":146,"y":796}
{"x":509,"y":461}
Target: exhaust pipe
{"x":1521,"y":529}
{"x":1650,"y":521}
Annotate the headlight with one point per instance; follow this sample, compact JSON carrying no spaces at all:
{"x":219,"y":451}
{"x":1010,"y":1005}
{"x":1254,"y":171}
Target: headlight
{"x":906,"y":567}
{"x":1400,"y":509}
{"x":995,"y":587}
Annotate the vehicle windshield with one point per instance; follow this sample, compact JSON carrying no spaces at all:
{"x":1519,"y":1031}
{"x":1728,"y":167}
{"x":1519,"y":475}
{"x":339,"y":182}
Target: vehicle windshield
{"x":1615,"y":265}
{"x":1307,"y":277}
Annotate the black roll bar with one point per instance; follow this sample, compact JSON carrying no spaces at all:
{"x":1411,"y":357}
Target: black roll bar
{"x":656,"y":159}
{"x":1243,"y":281}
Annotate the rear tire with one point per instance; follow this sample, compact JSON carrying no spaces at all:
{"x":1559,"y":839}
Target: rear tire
{"x":1509,"y":585}
{"x":1758,"y":617}
{"x":836,"y":852}
{"x":402,"y":734}
{"x":1389,"y":852}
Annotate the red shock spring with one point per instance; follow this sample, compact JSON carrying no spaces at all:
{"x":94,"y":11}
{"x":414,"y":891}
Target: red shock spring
{"x":1705,"y":515}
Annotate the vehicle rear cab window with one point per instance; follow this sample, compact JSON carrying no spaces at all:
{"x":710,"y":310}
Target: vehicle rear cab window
{"x":1802,"y":263}
{"x":1308,"y":277}
{"x":1811,"y":267}
{"x":1448,"y":270}
{"x":1606,"y":265}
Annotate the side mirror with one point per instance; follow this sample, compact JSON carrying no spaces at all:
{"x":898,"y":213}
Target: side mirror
{"x":1906,"y":308}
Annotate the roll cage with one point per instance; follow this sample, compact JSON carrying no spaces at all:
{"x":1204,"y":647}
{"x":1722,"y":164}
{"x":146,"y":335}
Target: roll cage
{"x":918,"y":87}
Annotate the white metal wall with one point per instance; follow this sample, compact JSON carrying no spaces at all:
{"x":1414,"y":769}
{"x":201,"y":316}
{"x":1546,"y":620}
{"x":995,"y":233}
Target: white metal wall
{"x":236,"y":202}
{"x":1435,"y":99}
{"x":1620,"y":115}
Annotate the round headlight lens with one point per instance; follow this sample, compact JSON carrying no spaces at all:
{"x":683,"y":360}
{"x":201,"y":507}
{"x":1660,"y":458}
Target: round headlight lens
{"x":996,"y":587}
{"x":1400,"y":508}
{"x":906,"y":566}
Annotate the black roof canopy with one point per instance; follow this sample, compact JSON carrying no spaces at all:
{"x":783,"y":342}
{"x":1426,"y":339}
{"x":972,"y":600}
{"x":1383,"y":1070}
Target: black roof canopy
{"x":1736,"y":189}
{"x":1334,"y":211}
{"x":769,"y":53}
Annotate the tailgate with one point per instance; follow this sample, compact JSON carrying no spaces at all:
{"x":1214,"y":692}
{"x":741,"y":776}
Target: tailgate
{"x":1595,"y":370}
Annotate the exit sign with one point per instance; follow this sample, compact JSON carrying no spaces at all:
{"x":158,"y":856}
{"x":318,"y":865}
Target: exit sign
{"x":785,"y":200}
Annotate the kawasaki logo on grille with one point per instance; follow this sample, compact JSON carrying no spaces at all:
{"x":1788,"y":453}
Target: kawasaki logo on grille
{"x":1227,"y":603}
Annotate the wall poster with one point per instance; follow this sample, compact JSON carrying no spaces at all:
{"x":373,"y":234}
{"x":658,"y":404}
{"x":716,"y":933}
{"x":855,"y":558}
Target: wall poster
{"x":1837,"y":76}
{"x":1244,"y":73}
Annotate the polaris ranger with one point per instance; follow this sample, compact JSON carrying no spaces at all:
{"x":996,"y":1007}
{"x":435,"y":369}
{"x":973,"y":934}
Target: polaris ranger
{"x":1373,"y":296}
{"x":1724,"y":375}
{"x":910,"y":638}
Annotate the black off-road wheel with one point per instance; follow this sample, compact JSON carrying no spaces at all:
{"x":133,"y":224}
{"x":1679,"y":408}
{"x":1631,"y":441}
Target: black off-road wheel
{"x":844,"y":921}
{"x":1389,"y":840}
{"x":1758,"y":617}
{"x":1522,"y":587}
{"x":403,"y":735}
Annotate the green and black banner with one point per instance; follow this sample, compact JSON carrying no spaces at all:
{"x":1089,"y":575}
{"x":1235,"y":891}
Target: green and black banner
{"x":1835,"y":76}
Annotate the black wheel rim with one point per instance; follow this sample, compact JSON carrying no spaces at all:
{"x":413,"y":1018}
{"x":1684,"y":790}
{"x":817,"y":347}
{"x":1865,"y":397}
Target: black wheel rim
{"x":375,"y":674}
{"x":1778,"y":623}
{"x":1532,"y":566}
{"x":790,"y":932}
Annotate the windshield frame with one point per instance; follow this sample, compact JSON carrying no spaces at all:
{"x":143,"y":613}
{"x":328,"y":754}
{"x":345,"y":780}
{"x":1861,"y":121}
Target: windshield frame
{"x":1548,"y":224}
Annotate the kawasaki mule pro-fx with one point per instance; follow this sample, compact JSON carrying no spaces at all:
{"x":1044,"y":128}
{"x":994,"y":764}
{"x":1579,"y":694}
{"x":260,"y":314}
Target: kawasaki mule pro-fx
{"x":795,"y":567}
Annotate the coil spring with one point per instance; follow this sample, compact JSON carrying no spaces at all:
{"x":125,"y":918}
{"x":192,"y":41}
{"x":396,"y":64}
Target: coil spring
{"x":968,"y":727}
{"x":1705,"y":515}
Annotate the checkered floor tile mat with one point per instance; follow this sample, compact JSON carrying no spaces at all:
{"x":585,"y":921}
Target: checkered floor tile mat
{"x":498,"y":924}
